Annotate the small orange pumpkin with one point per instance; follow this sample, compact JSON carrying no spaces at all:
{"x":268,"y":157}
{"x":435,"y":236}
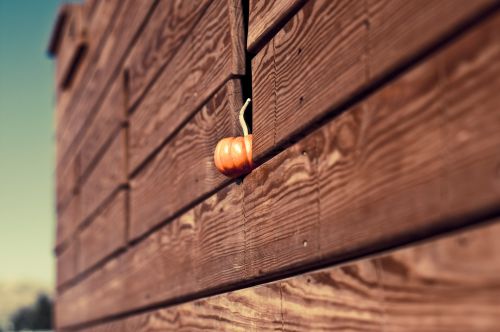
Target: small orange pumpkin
{"x":233,"y":155}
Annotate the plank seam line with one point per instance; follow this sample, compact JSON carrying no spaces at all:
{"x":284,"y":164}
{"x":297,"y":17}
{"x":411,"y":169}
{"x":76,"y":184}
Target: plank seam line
{"x":76,"y":97}
{"x":476,"y":20}
{"x":448,"y":227}
{"x":158,"y":73}
{"x":152,"y":154}
{"x":79,"y":229}
{"x":107,"y":86}
{"x":380,"y":82}
{"x":278,"y":25}
{"x":101,"y":152}
{"x":83,"y":178}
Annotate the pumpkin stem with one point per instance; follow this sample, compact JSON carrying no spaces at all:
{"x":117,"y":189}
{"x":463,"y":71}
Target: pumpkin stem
{"x":242,"y":119}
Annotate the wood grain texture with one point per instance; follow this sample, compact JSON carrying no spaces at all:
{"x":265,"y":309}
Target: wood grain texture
{"x":108,"y":120}
{"x":158,"y":191}
{"x":107,"y":176}
{"x":448,"y":284}
{"x":281,"y":209}
{"x":315,"y":60}
{"x":207,"y":241}
{"x":66,"y":265}
{"x":73,"y":45}
{"x":331,"y":49}
{"x":105,"y":234}
{"x":163,"y":34}
{"x":103,"y":70}
{"x":200,"y":66}
{"x":266,"y":16}
{"x":67,"y":222}
{"x":66,"y":184}
{"x":98,"y":27}
{"x":416,"y":158}
{"x":418,"y":152}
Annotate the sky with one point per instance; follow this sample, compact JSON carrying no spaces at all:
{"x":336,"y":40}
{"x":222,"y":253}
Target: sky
{"x":27,"y":217}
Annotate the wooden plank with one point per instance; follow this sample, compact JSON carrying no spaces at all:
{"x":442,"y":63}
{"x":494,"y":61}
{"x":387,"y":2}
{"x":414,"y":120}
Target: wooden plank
{"x":267,"y":16}
{"x":107,"y":176}
{"x":66,"y":265}
{"x":98,"y":14}
{"x":103,"y":70}
{"x":109,"y":118}
{"x":164,"y":33}
{"x":157,"y":191}
{"x":73,"y":45}
{"x":384,"y":173}
{"x":281,"y":206}
{"x":207,"y":241}
{"x":98,"y":26}
{"x":67,"y":221}
{"x":430,"y":136}
{"x":105,"y":234}
{"x":201,"y":65}
{"x":331,"y":49}
{"x":65,"y":184}
{"x":449,"y":284}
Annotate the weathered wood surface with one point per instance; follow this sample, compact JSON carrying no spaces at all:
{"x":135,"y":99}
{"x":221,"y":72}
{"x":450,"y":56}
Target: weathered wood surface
{"x":103,"y":70}
{"x":105,"y":234}
{"x":201,"y":65}
{"x":66,"y":265}
{"x":98,"y":27}
{"x":160,"y":39}
{"x":73,"y":44}
{"x":331,"y":49}
{"x":267,"y":16}
{"x":207,"y":242}
{"x":418,"y":157}
{"x":66,"y":183}
{"x":448,"y":284}
{"x":109,"y":118}
{"x":158,"y":191}
{"x":67,"y":221}
{"x":106,"y":177}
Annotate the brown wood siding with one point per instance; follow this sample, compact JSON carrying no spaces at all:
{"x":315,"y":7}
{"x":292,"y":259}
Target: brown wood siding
{"x":200,"y":66}
{"x":299,"y":77}
{"x":375,"y":124}
{"x":438,"y":286}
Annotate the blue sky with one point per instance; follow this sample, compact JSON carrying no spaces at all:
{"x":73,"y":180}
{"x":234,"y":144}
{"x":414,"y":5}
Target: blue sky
{"x":27,"y":152}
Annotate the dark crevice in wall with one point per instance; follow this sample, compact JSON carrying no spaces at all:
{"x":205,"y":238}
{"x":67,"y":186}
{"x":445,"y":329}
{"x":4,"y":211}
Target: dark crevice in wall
{"x":246,"y":81}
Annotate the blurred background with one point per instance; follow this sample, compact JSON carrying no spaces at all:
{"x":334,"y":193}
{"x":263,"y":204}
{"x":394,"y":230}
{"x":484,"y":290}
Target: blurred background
{"x":27,"y":218}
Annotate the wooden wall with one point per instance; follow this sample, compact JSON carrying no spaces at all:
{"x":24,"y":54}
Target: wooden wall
{"x":375,"y":197}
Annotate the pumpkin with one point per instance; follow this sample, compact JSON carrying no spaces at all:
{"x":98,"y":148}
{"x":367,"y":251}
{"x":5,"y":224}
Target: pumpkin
{"x":233,"y":155}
